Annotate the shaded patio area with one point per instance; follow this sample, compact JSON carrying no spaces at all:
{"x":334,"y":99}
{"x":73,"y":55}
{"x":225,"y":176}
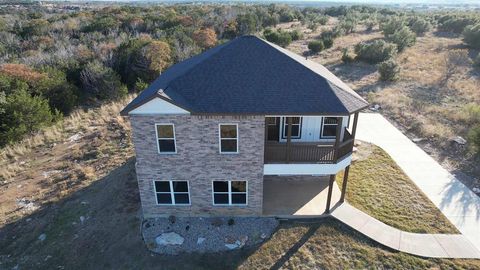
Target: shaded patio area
{"x":297,"y":196}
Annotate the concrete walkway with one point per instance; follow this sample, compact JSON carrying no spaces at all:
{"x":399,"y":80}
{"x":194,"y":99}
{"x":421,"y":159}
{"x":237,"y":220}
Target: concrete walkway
{"x":426,"y":245}
{"x":457,"y":202}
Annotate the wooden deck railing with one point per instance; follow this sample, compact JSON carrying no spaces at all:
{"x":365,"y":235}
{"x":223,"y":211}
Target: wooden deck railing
{"x":307,"y":152}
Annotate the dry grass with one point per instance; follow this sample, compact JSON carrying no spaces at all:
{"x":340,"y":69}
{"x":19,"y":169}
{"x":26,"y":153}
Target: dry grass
{"x":63,"y":158}
{"x":378,"y":186}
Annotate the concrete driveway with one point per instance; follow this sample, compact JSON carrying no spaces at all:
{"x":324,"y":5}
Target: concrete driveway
{"x":457,"y":202}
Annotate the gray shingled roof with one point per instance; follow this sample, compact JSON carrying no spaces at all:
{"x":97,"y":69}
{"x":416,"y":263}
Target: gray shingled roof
{"x":249,"y":75}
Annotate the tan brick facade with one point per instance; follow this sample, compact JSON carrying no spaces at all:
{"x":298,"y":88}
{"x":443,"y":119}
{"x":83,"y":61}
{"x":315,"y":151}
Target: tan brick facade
{"x":198,"y":160}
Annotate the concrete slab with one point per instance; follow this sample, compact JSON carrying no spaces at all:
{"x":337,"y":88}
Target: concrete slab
{"x":297,"y":196}
{"x":457,"y":246}
{"x":421,"y":244}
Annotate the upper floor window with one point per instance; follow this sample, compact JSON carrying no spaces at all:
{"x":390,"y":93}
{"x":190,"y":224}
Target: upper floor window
{"x":229,"y":192}
{"x":329,"y":127}
{"x":172,"y":192}
{"x":296,"y":127}
{"x":228,"y":136}
{"x":166,"y":138}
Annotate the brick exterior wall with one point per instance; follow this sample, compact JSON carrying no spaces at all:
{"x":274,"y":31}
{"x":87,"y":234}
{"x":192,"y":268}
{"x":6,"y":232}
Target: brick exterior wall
{"x":198,"y":160}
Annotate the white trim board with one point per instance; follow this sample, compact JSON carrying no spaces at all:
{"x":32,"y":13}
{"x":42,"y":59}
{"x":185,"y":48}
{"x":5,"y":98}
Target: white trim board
{"x":158,"y":106}
{"x":306,"y":169}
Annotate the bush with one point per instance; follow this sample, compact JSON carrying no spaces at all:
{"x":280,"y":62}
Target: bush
{"x":280,"y":38}
{"x":456,"y":24}
{"x":296,"y":35}
{"x":328,"y":42}
{"x":420,"y":26}
{"x":389,"y":70}
{"x":316,"y":46}
{"x":474,"y":138}
{"x":403,"y":38}
{"x":346,"y":57}
{"x":392,"y":25}
{"x":471,"y":36}
{"x":376,"y":51}
{"x":476,"y":61}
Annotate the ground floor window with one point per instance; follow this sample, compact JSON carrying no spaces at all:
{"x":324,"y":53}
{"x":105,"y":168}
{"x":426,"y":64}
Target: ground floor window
{"x":229,"y":192}
{"x":172,"y":192}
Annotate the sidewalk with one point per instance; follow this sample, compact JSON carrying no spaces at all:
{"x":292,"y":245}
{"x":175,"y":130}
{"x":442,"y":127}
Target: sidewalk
{"x":426,"y":245}
{"x":457,"y":202}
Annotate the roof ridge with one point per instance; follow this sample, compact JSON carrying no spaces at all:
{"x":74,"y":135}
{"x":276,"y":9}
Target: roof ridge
{"x":340,"y":87}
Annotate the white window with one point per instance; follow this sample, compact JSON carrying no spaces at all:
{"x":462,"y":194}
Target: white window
{"x":329,"y":128}
{"x":228,"y":137}
{"x":172,"y":192}
{"x":296,"y":127}
{"x":166,"y":138}
{"x":230,"y":192}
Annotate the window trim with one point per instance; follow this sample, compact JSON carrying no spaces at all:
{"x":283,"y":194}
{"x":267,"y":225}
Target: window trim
{"x":172,"y":193}
{"x":284,"y":126}
{"x":220,"y":138}
{"x":174,"y":138}
{"x":322,"y":127}
{"x":229,"y":192}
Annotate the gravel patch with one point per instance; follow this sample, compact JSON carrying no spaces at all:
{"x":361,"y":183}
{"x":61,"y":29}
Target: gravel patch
{"x":176,"y":235}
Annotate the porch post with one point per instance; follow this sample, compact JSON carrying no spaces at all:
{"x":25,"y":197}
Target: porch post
{"x":337,"y":138}
{"x":354,"y":128}
{"x":289,"y":137}
{"x":330,"y":190}
{"x":344,"y":184}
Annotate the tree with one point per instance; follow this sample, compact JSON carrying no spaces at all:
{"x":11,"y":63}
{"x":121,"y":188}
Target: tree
{"x":246,"y":24}
{"x":389,"y":70}
{"x":316,"y":46}
{"x":471,"y":36}
{"x":328,"y":42}
{"x":24,"y":114}
{"x":158,"y":56}
{"x":205,"y":38}
{"x":403,"y":37}
{"x":102,"y":82}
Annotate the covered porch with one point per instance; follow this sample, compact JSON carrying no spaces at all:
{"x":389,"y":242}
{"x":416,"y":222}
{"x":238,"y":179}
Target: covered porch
{"x":299,"y":196}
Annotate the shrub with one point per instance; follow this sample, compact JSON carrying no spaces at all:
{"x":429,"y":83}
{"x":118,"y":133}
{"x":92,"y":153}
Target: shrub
{"x":296,"y":35}
{"x":280,"y":38}
{"x":376,"y":51}
{"x":316,"y":46}
{"x":403,"y":38}
{"x":420,"y":26}
{"x":392,"y":25}
{"x":476,"y":61}
{"x":471,"y":35}
{"x":346,"y":57}
{"x":474,"y":138}
{"x":389,"y":70}
{"x":328,"y":42}
{"x":456,"y":24}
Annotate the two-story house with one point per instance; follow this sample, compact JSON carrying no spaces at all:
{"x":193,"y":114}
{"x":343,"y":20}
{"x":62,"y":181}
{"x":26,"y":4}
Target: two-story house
{"x":210,"y":129}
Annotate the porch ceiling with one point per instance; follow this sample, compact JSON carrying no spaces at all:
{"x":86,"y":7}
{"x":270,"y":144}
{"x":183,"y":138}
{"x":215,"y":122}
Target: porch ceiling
{"x":297,"y":196}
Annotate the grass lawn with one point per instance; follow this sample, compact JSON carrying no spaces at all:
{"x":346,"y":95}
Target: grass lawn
{"x":377,"y":186}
